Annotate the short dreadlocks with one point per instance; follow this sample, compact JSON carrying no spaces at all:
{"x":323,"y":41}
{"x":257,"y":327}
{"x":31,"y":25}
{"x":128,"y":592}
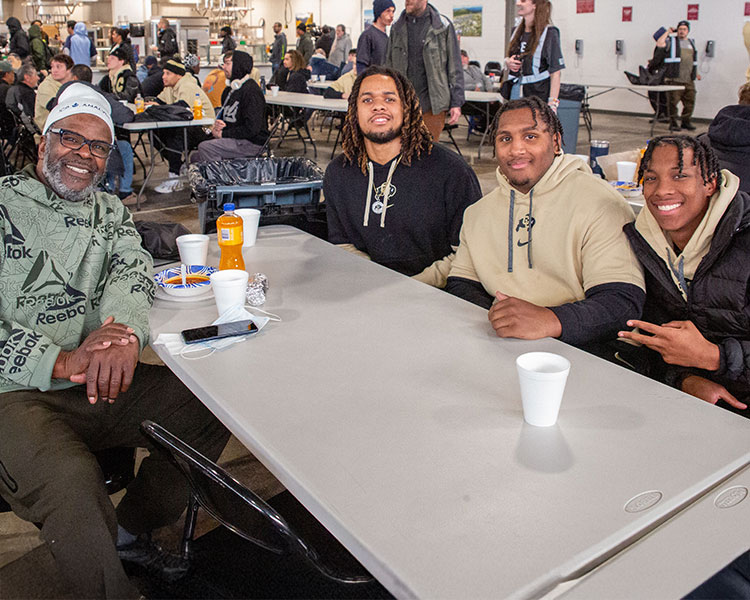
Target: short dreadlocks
{"x":415,"y":137}
{"x":537,"y":106}
{"x":703,"y":156}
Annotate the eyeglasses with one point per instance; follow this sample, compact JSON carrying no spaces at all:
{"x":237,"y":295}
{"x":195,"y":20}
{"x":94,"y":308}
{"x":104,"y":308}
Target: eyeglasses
{"x":75,"y":141}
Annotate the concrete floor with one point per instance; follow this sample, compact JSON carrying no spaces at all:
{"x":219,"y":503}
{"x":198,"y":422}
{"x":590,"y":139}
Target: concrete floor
{"x":26,"y":566}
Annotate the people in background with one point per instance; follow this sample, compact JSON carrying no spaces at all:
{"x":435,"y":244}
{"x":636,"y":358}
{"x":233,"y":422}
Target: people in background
{"x":216,"y":81}
{"x":73,"y":386}
{"x":342,"y":87}
{"x":7,"y":79}
{"x":79,"y":45}
{"x":120,"y":79}
{"x":240,"y":129}
{"x":373,"y":42}
{"x":545,"y":251}
{"x":433,"y":65}
{"x":45,"y":37}
{"x":192,"y":64}
{"x":297,"y":74}
{"x":153,"y":84}
{"x":393,"y":196}
{"x":304,"y":42}
{"x":40,"y":53}
{"x":60,"y":73}
{"x":180,"y":89}
{"x":318,"y":65}
{"x":227,"y":41}
{"x":474,"y":78}
{"x":167,"y":45}
{"x":729,"y":137}
{"x":692,"y":238}
{"x":21,"y":96}
{"x":534,"y":59}
{"x":350,"y":63}
{"x":340,"y":48}
{"x":278,"y":48}
{"x":325,"y":41}
{"x":677,"y":53}
{"x":121,"y":41}
{"x":19,"y":41}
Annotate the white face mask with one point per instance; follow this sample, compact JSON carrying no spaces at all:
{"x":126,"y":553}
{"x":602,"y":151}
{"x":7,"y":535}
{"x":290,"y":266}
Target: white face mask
{"x":176,"y":345}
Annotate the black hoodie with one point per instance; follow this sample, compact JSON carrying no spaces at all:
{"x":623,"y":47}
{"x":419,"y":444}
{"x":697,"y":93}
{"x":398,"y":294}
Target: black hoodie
{"x":244,"y":110}
{"x":729,"y":136}
{"x":19,"y":41}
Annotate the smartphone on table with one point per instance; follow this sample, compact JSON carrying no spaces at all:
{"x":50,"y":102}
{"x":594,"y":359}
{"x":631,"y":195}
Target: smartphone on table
{"x":216,"y":332}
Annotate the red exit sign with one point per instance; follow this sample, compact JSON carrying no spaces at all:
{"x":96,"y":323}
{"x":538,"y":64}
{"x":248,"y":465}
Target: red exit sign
{"x":692,"y":12}
{"x":627,"y":14}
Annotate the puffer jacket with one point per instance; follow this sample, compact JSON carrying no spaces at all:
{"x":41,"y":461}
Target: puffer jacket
{"x":729,"y":136}
{"x":717,"y":301}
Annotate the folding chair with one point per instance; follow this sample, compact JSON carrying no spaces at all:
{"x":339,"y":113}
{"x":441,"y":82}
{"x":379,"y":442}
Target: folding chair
{"x":243,"y":512}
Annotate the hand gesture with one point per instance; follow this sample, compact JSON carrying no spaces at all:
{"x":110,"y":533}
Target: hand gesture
{"x":110,"y":372}
{"x":513,"y":63}
{"x":711,"y":392}
{"x":513,"y":317}
{"x":75,"y":363}
{"x":678,"y":342}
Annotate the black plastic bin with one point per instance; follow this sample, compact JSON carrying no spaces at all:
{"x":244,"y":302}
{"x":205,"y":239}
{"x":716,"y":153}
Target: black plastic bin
{"x":280,"y":188}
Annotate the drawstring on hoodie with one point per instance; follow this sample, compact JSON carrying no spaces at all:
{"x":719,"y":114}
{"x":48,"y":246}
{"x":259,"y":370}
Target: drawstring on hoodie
{"x":511,"y":220}
{"x":679,"y":272}
{"x":386,"y":193}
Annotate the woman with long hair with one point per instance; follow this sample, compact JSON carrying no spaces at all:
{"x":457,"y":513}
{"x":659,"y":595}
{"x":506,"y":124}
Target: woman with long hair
{"x":534,"y":57}
{"x":296,"y":80}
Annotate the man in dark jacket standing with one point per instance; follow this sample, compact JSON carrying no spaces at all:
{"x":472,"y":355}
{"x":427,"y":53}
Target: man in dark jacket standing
{"x":423,"y":46}
{"x":693,"y":240}
{"x":372,"y":44}
{"x":240,"y":129}
{"x":680,"y":57}
{"x":304,"y":42}
{"x":19,"y":41}
{"x":278,"y":48}
{"x":167,"y":40}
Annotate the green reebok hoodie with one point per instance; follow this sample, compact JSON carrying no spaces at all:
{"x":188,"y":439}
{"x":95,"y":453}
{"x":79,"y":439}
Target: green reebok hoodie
{"x":64,"y":268}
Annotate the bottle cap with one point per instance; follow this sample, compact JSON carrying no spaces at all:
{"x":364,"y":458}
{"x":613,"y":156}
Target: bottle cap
{"x":228,"y":206}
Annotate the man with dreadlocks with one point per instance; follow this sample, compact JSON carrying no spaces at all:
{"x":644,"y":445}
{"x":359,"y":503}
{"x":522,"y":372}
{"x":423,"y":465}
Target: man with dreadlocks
{"x":393,"y":196}
{"x":577,"y":279}
{"x":693,"y":240}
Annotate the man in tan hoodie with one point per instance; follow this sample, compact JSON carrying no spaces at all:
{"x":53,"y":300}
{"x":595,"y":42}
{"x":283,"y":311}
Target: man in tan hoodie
{"x":576,"y":279}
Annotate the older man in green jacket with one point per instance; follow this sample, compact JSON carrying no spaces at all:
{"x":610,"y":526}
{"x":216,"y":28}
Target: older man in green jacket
{"x":77,"y":289}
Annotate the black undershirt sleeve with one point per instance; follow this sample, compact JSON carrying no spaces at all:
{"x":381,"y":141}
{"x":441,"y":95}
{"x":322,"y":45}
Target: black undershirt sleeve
{"x":473,"y":291}
{"x":602,"y":314}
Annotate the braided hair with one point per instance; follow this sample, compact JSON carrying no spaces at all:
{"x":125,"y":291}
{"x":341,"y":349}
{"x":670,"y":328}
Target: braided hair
{"x":415,"y":137}
{"x":703,"y":156}
{"x":538,"y":107}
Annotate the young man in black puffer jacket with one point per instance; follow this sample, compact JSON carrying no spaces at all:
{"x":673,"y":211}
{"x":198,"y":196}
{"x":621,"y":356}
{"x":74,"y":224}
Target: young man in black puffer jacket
{"x":240,"y":128}
{"x":693,"y":240}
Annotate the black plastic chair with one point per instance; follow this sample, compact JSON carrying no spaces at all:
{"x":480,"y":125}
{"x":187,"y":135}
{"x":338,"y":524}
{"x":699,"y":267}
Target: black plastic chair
{"x":493,"y":68}
{"x":242,"y":511}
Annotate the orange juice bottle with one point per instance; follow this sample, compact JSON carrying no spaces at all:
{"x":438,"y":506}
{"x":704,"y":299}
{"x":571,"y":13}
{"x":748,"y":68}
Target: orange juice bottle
{"x":229,"y":232}
{"x":197,"y":107}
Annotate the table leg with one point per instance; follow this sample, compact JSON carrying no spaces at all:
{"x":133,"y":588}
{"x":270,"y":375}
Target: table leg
{"x":150,"y":171}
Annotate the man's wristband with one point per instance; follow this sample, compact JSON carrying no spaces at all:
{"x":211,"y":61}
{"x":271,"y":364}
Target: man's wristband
{"x":553,"y":102}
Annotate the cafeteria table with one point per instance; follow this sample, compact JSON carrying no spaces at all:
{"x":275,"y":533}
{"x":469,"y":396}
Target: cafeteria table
{"x":673,"y":560}
{"x":391,"y":410}
{"x":150,"y":127}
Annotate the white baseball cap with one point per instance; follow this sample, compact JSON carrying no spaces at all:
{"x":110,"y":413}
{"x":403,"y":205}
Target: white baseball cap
{"x":78,"y":99}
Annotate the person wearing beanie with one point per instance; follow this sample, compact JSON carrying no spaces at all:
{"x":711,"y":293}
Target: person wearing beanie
{"x":192,"y":64}
{"x":180,"y":89}
{"x":71,"y":383}
{"x":304,"y":42}
{"x":7,"y":79}
{"x":240,"y":129}
{"x":153,"y":84}
{"x":432,"y":64}
{"x":121,"y":80}
{"x":143,"y":70}
{"x":677,"y":53}
{"x":373,"y":42}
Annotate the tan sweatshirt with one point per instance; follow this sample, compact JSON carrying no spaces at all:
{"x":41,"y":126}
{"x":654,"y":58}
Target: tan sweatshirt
{"x":551,"y":245}
{"x":186,"y":89}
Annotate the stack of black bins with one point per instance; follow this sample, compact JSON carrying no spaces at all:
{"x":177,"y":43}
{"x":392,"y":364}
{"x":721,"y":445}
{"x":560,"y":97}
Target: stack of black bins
{"x":286,"y":190}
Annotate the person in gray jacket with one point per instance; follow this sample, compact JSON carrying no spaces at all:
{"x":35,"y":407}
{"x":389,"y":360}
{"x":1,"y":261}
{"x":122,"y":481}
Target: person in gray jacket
{"x":423,"y":46}
{"x":341,"y":46}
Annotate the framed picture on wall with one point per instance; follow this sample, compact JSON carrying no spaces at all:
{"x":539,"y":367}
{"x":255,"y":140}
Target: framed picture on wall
{"x":468,"y":21}
{"x":367,"y":18}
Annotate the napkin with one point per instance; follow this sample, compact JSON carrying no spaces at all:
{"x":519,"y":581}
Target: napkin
{"x":174,"y":343}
